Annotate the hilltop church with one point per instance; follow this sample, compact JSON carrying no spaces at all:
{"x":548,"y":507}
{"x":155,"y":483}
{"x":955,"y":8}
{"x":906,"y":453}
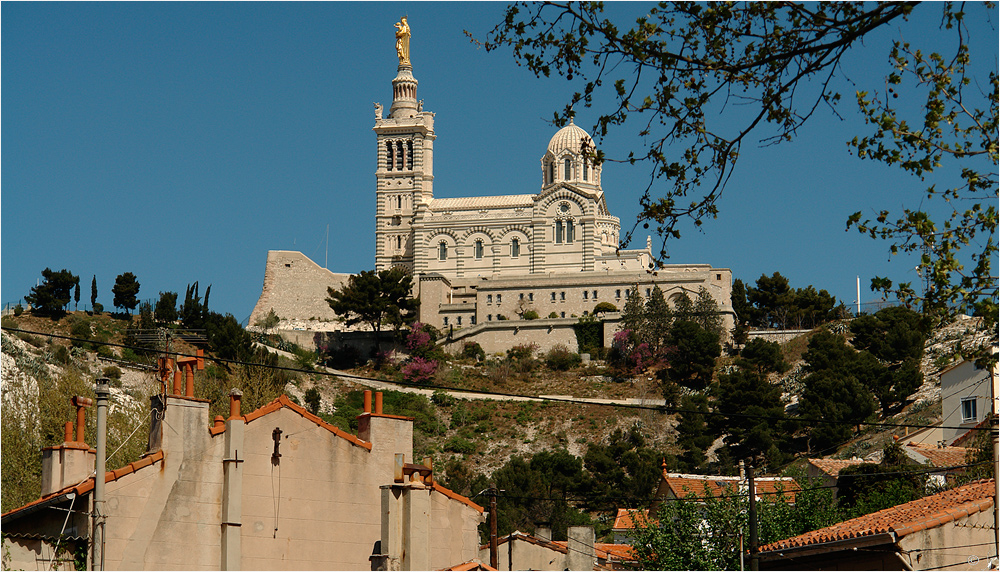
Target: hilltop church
{"x":480,"y":263}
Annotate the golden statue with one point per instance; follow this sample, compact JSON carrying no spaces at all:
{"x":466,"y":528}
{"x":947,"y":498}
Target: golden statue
{"x":403,"y":40}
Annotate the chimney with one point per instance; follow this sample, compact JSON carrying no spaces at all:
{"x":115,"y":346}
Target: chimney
{"x":543,"y":531}
{"x":73,"y":461}
{"x":580,"y":541}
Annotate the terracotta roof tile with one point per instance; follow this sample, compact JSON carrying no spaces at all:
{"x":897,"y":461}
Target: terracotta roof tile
{"x":940,"y":456}
{"x":284,"y":401}
{"x":625,"y":518}
{"x":474,"y":564}
{"x":833,"y":467}
{"x":705,"y":486}
{"x":453,"y":495}
{"x":88,"y":485}
{"x":921,"y":514}
{"x":621,"y":552}
{"x":518,"y":535}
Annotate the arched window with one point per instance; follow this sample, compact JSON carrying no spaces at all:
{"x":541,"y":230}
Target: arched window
{"x":442,"y":251}
{"x":559,"y":232}
{"x":569,"y":231}
{"x":553,"y":296}
{"x":489,"y":298}
{"x":584,"y":168}
{"x":585,"y":294}
{"x":515,"y":248}
{"x":499,"y":298}
{"x":562,"y":295}
{"x":479,"y":249}
{"x":568,"y":166}
{"x":399,"y":202}
{"x":550,"y":173}
{"x":399,"y":156}
{"x":388,"y":156}
{"x":399,"y":242}
{"x":409,"y":155}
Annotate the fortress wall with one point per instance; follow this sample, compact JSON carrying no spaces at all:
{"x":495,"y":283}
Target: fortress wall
{"x":295,"y":287}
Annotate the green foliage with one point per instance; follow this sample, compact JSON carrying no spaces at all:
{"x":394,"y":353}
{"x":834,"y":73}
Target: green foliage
{"x":840,"y":400}
{"x":559,"y":358}
{"x":375,"y":298}
{"x":656,"y":320}
{"x":603,"y":307}
{"x":53,"y":294}
{"x":893,"y":335}
{"x":18,"y":309}
{"x":82,"y":331}
{"x":867,"y":488}
{"x":633,"y":314}
{"x":692,"y":354}
{"x":755,"y":424}
{"x":553,"y":314}
{"x":623,"y":473}
{"x":589,"y":334}
{"x":313,"y":400}
{"x":112,"y":372}
{"x":763,"y":357}
{"x":93,"y":295}
{"x":694,"y":434}
{"x":457,"y":444}
{"x":706,"y":313}
{"x":529,"y":315}
{"x":441,"y":398}
{"x":166,"y":308}
{"x":474,"y":351}
{"x":126,"y":291}
{"x":269,"y":321}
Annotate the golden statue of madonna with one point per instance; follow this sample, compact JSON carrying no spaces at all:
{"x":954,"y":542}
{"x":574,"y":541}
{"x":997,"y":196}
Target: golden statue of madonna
{"x":403,"y":40}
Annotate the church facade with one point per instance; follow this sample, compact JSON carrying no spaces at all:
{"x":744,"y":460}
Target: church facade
{"x":486,"y":262}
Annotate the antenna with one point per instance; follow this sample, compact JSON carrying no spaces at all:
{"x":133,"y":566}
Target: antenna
{"x":326,"y":257}
{"x":859,"y":296}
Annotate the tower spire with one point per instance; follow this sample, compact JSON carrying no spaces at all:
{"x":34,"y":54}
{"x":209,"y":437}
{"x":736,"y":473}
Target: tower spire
{"x":404,"y":87}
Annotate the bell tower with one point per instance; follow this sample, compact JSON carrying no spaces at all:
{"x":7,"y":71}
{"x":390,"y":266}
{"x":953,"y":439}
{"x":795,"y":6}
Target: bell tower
{"x":404,"y":173}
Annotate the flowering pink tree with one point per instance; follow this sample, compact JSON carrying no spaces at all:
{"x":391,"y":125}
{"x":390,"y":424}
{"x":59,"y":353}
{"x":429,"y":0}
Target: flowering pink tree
{"x":420,"y":370}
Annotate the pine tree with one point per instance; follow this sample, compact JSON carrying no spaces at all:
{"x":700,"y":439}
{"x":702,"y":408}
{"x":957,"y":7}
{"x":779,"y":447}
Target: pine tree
{"x":706,"y":311}
{"x":658,"y":318}
{"x":633,"y":314}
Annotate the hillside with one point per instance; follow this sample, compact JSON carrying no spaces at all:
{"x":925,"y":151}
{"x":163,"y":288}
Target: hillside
{"x":465,"y":437}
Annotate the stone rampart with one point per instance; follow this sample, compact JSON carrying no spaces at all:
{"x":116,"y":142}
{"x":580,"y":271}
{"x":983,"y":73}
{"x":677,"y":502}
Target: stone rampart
{"x":295,"y":287}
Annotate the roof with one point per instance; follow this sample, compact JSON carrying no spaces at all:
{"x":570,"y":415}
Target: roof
{"x":88,"y":485}
{"x":901,"y":520}
{"x":284,"y":401}
{"x":605,"y":551}
{"x":473,"y":564}
{"x":518,"y":535}
{"x":967,"y":437}
{"x":473,"y":203}
{"x":833,"y":467}
{"x":712,"y":486}
{"x":455,"y":496}
{"x":625,"y":519}
{"x":569,"y":138}
{"x":940,"y":456}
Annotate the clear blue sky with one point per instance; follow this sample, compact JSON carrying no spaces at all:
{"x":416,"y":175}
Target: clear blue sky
{"x":182,"y":141}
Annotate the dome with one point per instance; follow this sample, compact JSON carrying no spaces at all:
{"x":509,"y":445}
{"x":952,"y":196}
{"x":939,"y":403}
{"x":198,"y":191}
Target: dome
{"x":568,"y":139}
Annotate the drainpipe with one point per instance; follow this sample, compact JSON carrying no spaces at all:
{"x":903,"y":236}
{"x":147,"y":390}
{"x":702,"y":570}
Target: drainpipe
{"x":995,"y":432}
{"x":103,"y":393}
{"x":232,"y":485}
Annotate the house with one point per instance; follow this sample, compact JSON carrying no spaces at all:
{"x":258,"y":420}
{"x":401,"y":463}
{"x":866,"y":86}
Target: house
{"x":276,"y":488}
{"x":520,"y":551}
{"x":827,"y":470}
{"x":953,"y":529}
{"x":965,"y":398}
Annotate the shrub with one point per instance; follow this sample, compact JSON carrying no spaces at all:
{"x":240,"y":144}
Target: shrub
{"x":459,"y":445}
{"x":82,"y":331}
{"x":420,"y":370}
{"x":522,"y":352}
{"x":530,"y":315}
{"x":553,"y":314}
{"x":112,"y":372}
{"x":440,"y":397}
{"x":61,"y":354}
{"x":473,"y":350}
{"x":98,"y":307}
{"x":501,"y":317}
{"x":18,"y":309}
{"x":559,"y":358}
{"x":602,"y":307}
{"x":313,"y":400}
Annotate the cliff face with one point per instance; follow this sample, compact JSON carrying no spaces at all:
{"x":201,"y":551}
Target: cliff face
{"x":295,"y":288}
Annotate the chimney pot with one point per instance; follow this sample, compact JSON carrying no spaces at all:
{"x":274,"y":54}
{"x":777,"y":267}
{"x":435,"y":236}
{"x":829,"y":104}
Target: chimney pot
{"x":378,"y":403}
{"x":81,"y":404}
{"x":189,"y":388}
{"x":69,"y":432}
{"x":368,"y":401}
{"x":219,"y":422}
{"x":235,"y":410}
{"x":201,"y":359}
{"x":178,"y":376}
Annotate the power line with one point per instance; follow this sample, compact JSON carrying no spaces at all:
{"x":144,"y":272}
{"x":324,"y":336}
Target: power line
{"x":657,"y":408}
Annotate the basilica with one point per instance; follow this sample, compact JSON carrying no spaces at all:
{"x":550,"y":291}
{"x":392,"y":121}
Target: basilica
{"x":481,"y":265}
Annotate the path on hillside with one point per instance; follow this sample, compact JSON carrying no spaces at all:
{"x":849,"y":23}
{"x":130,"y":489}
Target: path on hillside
{"x":467,"y":395}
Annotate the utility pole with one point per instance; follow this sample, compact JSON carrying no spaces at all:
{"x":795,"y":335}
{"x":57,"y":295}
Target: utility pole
{"x":754,"y":561}
{"x":99,"y":517}
{"x":494,"y":557}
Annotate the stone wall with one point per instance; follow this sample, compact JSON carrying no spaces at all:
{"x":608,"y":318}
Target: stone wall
{"x":295,"y":287}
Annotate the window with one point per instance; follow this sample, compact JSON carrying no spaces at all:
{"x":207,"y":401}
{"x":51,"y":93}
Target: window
{"x":647,"y":292}
{"x":458,"y":320}
{"x":618,"y":293}
{"x":628,"y":292}
{"x":553,"y":296}
{"x":718,"y":276}
{"x":388,"y":155}
{"x":562,"y":314}
{"x":584,"y":168}
{"x":479,"y":249}
{"x":515,"y":248}
{"x":399,"y":242}
{"x":562,"y":295}
{"x":595,"y":294}
{"x":489,"y":298}
{"x":550,"y":174}
{"x":489,"y":317}
{"x":399,"y":202}
{"x":968,"y":409}
{"x":568,"y":167}
{"x":446,"y":320}
{"x":520,"y":296}
{"x":498,"y":298}
{"x":472,"y":319}
{"x":531,"y":296}
{"x":585,"y":294}
{"x":559,"y":232}
{"x":409,"y":155}
{"x":569,"y":231}
{"x":399,"y":156}
{"x":442,"y":251}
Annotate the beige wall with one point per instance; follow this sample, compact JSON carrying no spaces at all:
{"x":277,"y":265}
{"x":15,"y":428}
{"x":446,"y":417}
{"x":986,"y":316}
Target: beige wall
{"x":295,"y":287}
{"x":525,"y":556}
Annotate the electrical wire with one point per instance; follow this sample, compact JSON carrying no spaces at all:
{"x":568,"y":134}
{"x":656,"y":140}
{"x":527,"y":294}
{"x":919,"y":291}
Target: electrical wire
{"x":568,"y":400}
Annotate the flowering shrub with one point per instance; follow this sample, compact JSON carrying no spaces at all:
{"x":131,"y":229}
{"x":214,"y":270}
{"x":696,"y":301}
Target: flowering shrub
{"x":629,"y":356}
{"x":420,"y":370}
